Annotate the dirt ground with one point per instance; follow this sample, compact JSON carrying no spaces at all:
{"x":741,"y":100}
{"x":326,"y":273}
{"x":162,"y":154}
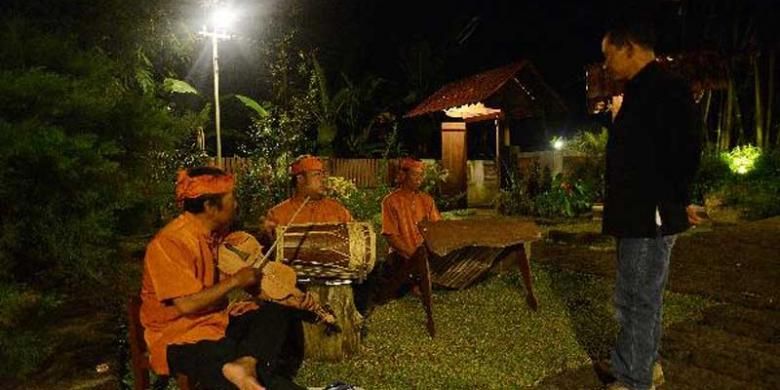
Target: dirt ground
{"x":736,"y":345}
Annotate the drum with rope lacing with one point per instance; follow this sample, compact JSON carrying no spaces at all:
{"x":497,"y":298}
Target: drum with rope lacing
{"x":344,"y":251}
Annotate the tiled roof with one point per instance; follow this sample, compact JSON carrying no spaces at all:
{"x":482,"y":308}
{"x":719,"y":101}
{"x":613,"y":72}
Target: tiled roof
{"x":472,"y":89}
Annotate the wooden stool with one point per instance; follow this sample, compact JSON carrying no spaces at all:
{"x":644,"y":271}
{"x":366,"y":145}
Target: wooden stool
{"x":139,"y":354}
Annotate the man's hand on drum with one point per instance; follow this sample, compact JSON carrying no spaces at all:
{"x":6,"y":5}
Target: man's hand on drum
{"x":269,"y":226}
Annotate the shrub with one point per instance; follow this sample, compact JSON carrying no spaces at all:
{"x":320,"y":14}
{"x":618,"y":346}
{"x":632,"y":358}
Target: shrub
{"x":590,"y":172}
{"x":563,"y":199}
{"x":515,"y":200}
{"x":364,"y":204}
{"x":261,"y":187}
{"x":756,"y":192}
{"x":742,"y":159}
{"x":77,"y":140}
{"x":712,"y":175}
{"x":543,"y":196}
{"x":22,"y":314}
{"x":435,"y":177}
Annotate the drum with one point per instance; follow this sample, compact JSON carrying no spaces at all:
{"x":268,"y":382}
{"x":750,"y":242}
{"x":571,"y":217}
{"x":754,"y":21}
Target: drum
{"x":328,"y":251}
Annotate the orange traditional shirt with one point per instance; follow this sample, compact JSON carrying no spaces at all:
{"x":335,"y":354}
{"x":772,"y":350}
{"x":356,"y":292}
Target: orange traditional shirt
{"x":325,"y":210}
{"x":402,"y":210}
{"x":179,"y":261}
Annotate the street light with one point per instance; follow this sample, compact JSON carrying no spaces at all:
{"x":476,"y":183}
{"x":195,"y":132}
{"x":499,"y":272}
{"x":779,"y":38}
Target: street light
{"x":221,"y":19}
{"x":558,"y":143}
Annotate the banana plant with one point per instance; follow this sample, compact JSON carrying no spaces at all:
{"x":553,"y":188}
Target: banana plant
{"x":174,"y":86}
{"x":329,"y":110}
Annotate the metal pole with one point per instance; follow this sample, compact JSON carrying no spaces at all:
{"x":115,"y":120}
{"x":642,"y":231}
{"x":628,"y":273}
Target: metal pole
{"x":498,"y":152}
{"x":215,"y":58}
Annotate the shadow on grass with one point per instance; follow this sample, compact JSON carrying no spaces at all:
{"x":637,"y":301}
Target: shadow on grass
{"x":588,"y":301}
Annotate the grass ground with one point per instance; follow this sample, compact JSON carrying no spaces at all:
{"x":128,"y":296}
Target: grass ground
{"x":487,"y":337}
{"x":722,"y":323}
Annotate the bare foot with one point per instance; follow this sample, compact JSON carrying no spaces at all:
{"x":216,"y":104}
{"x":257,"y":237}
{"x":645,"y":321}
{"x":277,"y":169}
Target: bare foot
{"x":241,"y":372}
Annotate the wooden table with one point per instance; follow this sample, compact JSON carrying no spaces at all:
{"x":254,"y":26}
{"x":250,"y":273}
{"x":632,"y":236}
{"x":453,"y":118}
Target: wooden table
{"x":463,"y":250}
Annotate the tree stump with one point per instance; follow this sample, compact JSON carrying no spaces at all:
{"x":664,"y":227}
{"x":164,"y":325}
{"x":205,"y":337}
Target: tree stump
{"x":336,"y":347}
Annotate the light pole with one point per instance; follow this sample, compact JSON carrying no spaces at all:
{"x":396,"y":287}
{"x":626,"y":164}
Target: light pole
{"x":220,"y":20}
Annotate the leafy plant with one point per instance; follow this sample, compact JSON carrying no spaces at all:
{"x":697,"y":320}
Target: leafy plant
{"x":515,"y":199}
{"x":742,"y":159}
{"x":25,"y":345}
{"x":365,"y":204}
{"x":540,"y":196}
{"x":591,"y":169}
{"x":712,"y":176}
{"x":756,"y":192}
{"x":260,"y":187}
{"x":564,"y":199}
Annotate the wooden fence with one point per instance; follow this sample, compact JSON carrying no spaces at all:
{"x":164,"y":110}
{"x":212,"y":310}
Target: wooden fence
{"x":234,"y":165}
{"x":482,"y":180}
{"x":364,"y":172}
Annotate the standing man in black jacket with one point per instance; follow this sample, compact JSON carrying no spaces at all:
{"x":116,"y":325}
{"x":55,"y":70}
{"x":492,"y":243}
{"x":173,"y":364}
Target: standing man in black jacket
{"x":653,"y":153}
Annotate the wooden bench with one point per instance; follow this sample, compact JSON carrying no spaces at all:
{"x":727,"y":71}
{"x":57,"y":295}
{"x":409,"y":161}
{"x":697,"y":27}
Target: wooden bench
{"x":139,"y":353}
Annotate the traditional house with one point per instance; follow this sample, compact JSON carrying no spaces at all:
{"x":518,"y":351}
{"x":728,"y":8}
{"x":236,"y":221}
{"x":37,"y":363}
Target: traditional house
{"x":511,"y":102}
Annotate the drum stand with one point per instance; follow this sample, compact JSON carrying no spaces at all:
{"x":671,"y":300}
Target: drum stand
{"x":426,"y":289}
{"x":400,"y":272}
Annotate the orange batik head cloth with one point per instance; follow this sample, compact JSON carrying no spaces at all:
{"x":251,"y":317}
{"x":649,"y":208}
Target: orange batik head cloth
{"x":192,"y":187}
{"x":407,"y":163}
{"x":306,"y":163}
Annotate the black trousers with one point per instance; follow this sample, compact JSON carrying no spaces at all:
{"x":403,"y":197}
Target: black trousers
{"x":392,"y":280}
{"x":272,"y":334}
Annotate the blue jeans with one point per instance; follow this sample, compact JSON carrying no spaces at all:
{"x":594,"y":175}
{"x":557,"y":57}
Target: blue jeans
{"x":642,"y":271}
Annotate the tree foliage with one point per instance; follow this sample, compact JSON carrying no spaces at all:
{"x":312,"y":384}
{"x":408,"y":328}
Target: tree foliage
{"x":80,"y":120}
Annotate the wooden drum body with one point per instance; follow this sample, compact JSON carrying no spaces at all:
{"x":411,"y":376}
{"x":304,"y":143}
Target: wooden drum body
{"x":328,"y":251}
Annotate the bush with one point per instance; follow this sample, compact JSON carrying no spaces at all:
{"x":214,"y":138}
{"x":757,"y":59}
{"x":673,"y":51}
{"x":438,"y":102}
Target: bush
{"x":590,"y":172}
{"x":542,"y":196}
{"x":563,"y":199}
{"x":757,"y":191}
{"x":76,"y":148}
{"x":434,"y":176}
{"x":713,"y":174}
{"x":754,"y":192}
{"x":261,"y":187}
{"x":515,"y":200}
{"x":364,"y":204}
{"x":22,"y":314}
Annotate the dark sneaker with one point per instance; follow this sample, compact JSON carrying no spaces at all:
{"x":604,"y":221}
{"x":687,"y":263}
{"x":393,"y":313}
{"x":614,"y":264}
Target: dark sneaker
{"x":604,"y":372}
{"x":622,"y":386}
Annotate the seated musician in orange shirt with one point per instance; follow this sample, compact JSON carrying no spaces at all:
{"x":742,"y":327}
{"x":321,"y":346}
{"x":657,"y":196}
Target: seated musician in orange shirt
{"x":402,"y":211}
{"x":188,"y":326}
{"x":307,"y":176}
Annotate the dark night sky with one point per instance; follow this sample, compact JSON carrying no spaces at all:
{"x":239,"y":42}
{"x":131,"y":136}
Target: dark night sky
{"x":362,"y":37}
{"x":560,"y":37}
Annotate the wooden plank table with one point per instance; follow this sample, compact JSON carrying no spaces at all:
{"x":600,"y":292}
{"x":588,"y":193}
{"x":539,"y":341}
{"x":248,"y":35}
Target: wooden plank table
{"x":463,"y":250}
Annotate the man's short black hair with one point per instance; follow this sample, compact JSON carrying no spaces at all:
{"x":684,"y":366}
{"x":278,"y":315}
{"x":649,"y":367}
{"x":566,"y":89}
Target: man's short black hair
{"x":198,"y":205}
{"x":640,"y":33}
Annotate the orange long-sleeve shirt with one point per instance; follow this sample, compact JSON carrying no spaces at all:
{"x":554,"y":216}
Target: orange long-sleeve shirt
{"x":179,"y":261}
{"x":402,"y":210}
{"x":325,"y":210}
